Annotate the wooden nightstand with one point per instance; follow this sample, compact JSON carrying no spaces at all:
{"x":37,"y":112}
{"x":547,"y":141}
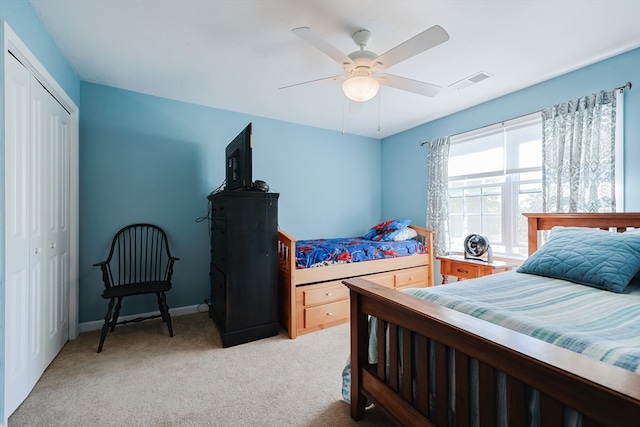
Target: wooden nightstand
{"x":458,"y":266}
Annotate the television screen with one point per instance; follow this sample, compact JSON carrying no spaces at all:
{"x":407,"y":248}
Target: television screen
{"x":238,"y":154}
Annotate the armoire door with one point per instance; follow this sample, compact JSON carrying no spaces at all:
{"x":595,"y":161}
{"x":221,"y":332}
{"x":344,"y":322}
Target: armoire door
{"x":37,"y":230}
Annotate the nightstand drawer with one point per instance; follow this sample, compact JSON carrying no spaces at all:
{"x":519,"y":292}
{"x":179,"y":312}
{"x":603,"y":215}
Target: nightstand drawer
{"x":462,"y":270}
{"x":326,"y":313}
{"x":335,"y":291}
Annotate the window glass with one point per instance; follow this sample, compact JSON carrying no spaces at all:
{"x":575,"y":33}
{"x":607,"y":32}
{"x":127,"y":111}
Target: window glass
{"x":495,"y":176}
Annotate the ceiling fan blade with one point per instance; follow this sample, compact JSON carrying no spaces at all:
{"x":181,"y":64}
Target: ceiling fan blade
{"x":324,"y":46}
{"x":425,"y":40}
{"x":415,"y":86}
{"x":336,"y":78}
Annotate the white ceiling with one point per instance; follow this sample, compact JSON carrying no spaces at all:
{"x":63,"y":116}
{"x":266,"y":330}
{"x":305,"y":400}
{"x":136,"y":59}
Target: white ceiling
{"x":235,"y":55}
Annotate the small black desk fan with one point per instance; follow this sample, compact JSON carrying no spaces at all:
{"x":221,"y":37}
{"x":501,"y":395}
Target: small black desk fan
{"x":476,"y":246}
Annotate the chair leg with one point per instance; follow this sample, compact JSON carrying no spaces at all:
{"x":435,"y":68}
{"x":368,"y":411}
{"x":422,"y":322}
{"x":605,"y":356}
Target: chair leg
{"x":116,"y":314}
{"x":106,"y":325}
{"x":164,"y":311}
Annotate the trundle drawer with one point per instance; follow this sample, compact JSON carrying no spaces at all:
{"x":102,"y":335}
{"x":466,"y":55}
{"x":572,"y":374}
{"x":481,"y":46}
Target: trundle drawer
{"x":329,"y":292}
{"x":414,"y":277}
{"x":384,"y":279}
{"x":315,"y":316}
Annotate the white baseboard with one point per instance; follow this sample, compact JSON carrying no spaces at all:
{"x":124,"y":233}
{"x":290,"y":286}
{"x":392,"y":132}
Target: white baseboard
{"x":97,"y":324}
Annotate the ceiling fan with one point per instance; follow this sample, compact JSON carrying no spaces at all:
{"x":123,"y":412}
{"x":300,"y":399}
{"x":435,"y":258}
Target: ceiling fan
{"x":363,"y":67}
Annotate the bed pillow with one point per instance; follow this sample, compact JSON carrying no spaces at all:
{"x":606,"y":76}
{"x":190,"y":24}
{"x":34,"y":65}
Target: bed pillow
{"x":596,"y":258}
{"x":636,"y":278}
{"x":387,"y":230}
{"x":407,"y":234}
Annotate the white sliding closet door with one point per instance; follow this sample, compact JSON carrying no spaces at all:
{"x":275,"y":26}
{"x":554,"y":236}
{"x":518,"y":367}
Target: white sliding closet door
{"x":56,"y":225}
{"x":37,"y":230}
{"x":23,"y":264}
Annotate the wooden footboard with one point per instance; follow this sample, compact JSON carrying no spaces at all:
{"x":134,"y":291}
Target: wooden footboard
{"x":323,"y":285}
{"x":419,"y":330}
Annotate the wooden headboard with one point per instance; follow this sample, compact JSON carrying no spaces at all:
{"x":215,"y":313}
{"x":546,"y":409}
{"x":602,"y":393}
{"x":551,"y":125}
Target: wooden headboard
{"x":618,"y":221}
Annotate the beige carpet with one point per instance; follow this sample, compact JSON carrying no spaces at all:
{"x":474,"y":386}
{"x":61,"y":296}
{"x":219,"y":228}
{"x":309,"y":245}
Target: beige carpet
{"x":144,"y":378}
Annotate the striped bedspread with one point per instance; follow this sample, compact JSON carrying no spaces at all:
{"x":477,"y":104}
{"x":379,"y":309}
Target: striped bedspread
{"x":600,"y":324}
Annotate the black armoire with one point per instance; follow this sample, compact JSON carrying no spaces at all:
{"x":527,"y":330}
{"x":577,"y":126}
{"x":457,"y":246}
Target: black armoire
{"x":244,"y":263}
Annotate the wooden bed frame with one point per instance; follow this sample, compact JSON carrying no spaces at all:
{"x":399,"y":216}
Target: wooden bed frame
{"x":604,"y":394}
{"x":314,"y":298}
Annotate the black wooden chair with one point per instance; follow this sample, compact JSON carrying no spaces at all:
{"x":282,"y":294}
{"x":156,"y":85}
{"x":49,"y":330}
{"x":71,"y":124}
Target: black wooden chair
{"x":139,"y":263}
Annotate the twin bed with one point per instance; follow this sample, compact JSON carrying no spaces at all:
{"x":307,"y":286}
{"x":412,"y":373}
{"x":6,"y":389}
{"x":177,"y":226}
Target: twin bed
{"x":514,"y":348}
{"x":311,"y":293}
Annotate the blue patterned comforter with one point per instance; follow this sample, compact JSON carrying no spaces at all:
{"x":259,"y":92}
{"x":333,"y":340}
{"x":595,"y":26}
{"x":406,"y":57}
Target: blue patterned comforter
{"x":320,"y":252}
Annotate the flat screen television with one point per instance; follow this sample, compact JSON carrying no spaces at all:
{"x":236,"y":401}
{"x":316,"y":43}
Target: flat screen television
{"x":238,"y":154}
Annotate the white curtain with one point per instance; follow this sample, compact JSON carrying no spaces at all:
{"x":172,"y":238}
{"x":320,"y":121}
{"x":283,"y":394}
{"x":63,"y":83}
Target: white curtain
{"x":438,"y":194}
{"x":578,"y":155}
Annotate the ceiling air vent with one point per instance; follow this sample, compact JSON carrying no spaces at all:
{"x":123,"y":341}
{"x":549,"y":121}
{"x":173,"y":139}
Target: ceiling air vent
{"x":473,"y":79}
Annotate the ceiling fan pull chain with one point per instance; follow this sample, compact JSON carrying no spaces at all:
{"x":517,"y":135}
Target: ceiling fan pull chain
{"x":379,"y":96}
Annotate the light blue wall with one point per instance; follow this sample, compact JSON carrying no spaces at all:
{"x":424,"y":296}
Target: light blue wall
{"x":404,"y":176}
{"x":149,"y":159}
{"x":26,"y":23}
{"x":23,"y":20}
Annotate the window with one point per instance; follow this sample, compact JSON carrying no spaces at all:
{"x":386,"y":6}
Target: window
{"x":495,"y":174}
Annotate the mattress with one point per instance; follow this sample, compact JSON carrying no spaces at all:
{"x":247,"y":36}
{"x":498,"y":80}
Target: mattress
{"x":599,"y":324}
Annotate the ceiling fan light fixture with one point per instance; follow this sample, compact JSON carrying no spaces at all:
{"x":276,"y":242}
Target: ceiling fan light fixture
{"x":360,"y":88}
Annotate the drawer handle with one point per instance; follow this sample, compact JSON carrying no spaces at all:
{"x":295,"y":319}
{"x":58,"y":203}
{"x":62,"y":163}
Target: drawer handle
{"x":328,"y":294}
{"x":411,"y":278}
{"x":329,"y":314}
{"x":462,"y":271}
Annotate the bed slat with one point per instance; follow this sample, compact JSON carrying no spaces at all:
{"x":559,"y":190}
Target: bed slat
{"x":487,"y":394}
{"x":441,"y":390}
{"x":516,"y":402}
{"x":423,"y":375}
{"x":382,"y":354}
{"x":393,"y":357}
{"x":551,"y":412}
{"x":462,"y":389}
{"x":407,"y":366}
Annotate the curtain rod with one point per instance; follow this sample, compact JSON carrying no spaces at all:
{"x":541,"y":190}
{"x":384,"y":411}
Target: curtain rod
{"x":627,"y":86}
